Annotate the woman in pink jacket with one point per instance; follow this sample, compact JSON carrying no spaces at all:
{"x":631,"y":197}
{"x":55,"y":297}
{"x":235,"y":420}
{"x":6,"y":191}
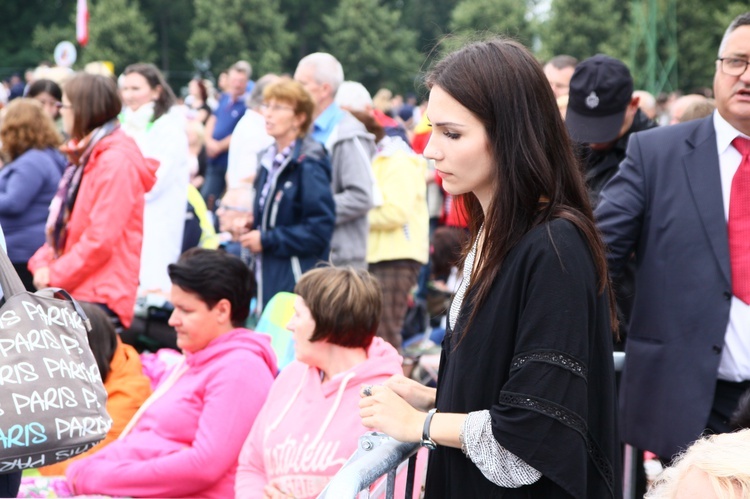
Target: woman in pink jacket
{"x":95,"y":224}
{"x":309,"y":426}
{"x":185,"y":440}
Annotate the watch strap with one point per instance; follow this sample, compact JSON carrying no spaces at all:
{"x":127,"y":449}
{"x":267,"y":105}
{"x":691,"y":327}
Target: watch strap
{"x":426,"y":440}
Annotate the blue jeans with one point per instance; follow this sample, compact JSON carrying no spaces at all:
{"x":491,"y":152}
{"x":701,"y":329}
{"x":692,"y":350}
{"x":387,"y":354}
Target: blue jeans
{"x":214,"y":184}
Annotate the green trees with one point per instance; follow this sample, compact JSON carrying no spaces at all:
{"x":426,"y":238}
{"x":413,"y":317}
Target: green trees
{"x":502,"y":17}
{"x":372,"y":45}
{"x":380,"y":42}
{"x":225,"y":31}
{"x":583,"y":28}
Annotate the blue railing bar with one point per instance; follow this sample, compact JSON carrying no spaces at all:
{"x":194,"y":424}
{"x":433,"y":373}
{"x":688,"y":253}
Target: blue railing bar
{"x":377,"y":455}
{"x":390,"y":490}
{"x":410,"y":472}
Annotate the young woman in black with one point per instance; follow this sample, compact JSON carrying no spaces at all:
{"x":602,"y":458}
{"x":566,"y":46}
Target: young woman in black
{"x":525,"y":403}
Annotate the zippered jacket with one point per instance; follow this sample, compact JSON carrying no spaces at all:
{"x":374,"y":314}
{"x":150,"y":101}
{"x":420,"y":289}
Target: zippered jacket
{"x":298,"y":217}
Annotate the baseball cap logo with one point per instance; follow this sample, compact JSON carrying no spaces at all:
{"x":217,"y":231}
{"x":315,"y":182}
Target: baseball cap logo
{"x":592,"y":100}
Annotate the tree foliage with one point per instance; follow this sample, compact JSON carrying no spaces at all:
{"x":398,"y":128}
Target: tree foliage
{"x":303,"y":18}
{"x":225,"y":31}
{"x":18,"y":19}
{"x":582,"y":28}
{"x":501,"y":17}
{"x":118,"y":32}
{"x":372,"y":45}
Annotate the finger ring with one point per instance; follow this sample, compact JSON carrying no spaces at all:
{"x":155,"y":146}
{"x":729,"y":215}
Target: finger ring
{"x":367,"y":391}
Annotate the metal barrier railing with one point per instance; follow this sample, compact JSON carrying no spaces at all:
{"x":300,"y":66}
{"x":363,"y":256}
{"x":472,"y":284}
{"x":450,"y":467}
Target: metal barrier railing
{"x":377,"y":454}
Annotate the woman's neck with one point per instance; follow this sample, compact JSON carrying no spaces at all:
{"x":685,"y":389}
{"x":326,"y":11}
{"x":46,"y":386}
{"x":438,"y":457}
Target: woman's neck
{"x":341,"y":359}
{"x":283,"y":142}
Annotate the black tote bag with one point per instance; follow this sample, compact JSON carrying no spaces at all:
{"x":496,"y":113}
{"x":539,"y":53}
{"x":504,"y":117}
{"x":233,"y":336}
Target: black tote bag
{"x":52,"y":400}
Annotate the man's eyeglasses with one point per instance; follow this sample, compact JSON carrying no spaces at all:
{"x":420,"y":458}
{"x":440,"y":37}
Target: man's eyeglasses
{"x":733,"y":66}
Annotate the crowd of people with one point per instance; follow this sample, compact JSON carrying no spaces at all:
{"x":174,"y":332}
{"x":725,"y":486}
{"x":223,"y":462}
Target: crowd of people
{"x":564,"y":213}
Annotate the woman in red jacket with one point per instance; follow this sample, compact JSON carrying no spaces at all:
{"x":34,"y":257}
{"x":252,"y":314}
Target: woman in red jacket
{"x":95,"y":225}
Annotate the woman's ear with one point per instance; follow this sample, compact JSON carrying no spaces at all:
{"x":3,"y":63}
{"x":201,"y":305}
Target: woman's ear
{"x":223,"y":311}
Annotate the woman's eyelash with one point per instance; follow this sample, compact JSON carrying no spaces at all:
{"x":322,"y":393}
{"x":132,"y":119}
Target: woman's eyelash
{"x":451,"y":135}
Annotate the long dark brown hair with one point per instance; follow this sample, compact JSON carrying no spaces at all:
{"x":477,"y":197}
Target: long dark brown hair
{"x":536,"y":177}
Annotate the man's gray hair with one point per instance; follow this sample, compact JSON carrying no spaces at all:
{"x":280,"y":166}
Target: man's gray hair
{"x":563,"y":61}
{"x":327,"y":69}
{"x":741,"y":20}
{"x":243,"y":67}
{"x":255,"y":99}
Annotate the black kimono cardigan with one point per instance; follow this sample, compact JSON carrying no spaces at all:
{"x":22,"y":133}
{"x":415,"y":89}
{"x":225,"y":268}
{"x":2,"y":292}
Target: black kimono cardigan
{"x":538,"y":356}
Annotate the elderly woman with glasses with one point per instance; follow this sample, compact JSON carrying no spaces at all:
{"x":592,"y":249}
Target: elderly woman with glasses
{"x":293,"y":209}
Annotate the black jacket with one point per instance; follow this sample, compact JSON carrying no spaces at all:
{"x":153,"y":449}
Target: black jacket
{"x":538,"y":356}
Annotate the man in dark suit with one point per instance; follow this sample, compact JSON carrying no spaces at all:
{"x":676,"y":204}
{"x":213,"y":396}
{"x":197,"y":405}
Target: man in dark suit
{"x":688,"y":350}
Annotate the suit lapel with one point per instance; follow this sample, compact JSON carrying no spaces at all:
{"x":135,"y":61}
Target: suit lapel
{"x":702,"y":168}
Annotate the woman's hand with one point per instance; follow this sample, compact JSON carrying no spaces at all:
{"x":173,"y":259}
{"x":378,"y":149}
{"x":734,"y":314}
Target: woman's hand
{"x":41,"y":278}
{"x":416,"y":394}
{"x":270,"y":491}
{"x":251,"y":241}
{"x":387,"y":412}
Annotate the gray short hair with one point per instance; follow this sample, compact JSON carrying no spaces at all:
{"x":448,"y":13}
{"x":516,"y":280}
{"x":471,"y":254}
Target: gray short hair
{"x":741,"y":20}
{"x":255,"y":99}
{"x":243,"y":67}
{"x":354,"y":96}
{"x":327,"y":69}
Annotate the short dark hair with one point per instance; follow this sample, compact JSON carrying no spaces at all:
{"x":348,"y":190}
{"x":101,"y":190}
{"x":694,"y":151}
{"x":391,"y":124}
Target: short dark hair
{"x":345,"y":304}
{"x":102,"y":337}
{"x":563,"y":61}
{"x":213,"y":276}
{"x":155,"y":79}
{"x":45,"y":87}
{"x":94,"y":100}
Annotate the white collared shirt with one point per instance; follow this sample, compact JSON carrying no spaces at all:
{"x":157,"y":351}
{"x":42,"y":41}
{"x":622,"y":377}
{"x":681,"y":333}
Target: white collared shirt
{"x":735,"y":357}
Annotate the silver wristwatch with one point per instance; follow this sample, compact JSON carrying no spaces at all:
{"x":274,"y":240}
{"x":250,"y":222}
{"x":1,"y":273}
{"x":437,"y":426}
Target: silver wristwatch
{"x":426,"y":440}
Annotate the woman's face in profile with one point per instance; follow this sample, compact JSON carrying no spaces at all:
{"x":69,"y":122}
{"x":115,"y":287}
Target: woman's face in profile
{"x":50,"y":104}
{"x":66,"y":111}
{"x":459,"y":147}
{"x":302,"y":326}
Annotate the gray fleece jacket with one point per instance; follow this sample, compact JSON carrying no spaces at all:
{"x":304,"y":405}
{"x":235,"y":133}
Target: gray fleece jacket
{"x":351,"y":148}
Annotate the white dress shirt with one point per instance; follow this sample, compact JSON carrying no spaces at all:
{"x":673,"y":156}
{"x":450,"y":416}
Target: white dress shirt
{"x":735,"y":357}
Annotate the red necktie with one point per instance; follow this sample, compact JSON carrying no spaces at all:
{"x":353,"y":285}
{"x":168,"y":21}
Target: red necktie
{"x":739,"y":223}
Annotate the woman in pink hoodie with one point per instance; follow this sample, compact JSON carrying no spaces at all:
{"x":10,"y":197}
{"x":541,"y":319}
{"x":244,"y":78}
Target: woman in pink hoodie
{"x":185,"y":440}
{"x":309,"y":425}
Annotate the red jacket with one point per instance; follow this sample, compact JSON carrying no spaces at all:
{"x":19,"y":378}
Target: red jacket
{"x":102,"y":255}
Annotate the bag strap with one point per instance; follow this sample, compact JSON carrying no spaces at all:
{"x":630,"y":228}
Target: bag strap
{"x":9,"y":280}
{"x":79,"y":310}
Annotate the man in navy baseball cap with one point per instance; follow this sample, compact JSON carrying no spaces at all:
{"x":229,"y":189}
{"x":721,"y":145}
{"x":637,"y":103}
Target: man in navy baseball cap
{"x":601,"y":91}
{"x":602,"y":114}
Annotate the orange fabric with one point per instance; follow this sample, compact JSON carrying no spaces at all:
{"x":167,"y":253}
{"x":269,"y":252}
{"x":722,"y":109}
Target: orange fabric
{"x":127,"y":389}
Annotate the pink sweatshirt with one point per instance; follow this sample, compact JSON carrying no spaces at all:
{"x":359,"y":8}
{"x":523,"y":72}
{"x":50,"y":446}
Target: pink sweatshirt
{"x":187,"y":442}
{"x":307,"y":429}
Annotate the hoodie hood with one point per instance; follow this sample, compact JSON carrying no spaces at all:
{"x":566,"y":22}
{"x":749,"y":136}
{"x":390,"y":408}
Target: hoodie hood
{"x":235,"y":339}
{"x":348,"y":128}
{"x":118,"y":141}
{"x":308,"y":429}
